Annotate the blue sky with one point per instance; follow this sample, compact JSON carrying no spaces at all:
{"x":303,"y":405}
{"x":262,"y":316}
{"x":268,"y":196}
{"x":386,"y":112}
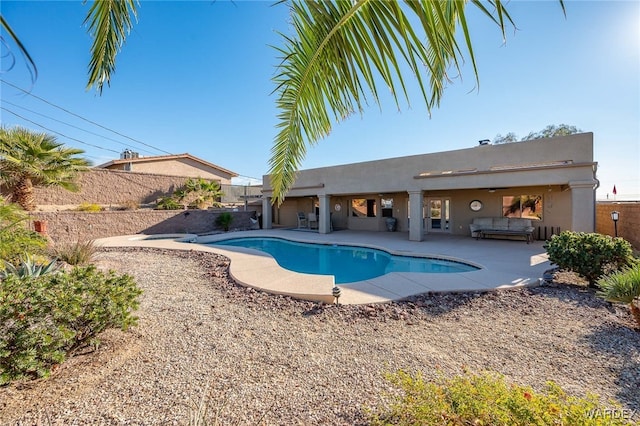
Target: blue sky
{"x":195,"y":76}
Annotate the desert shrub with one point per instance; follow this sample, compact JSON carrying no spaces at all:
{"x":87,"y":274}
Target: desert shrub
{"x":130,"y":205}
{"x":44,"y":318}
{"x":78,"y":253}
{"x":15,"y":238}
{"x":224,"y":220}
{"x":487,"y":399}
{"x":14,"y":243}
{"x":89,"y":207}
{"x":590,"y":255}
{"x":623,"y":287}
{"x":168,"y":203}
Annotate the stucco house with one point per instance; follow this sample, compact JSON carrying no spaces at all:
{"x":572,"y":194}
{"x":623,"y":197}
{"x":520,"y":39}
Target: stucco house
{"x":550,"y":181}
{"x":171,"y":165}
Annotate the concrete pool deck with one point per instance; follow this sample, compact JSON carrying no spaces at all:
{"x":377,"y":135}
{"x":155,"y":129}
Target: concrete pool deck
{"x":504,"y":263}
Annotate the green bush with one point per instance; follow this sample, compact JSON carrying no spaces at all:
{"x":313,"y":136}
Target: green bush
{"x":224,"y":220}
{"x":78,"y":253}
{"x":488,"y":399}
{"x":15,"y":239}
{"x":590,"y":255}
{"x":18,"y":241}
{"x":43,"y":318}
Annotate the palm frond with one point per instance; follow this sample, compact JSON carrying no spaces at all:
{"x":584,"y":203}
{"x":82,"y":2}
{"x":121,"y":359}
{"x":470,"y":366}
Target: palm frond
{"x":622,"y":286}
{"x":31,"y":65}
{"x":109,"y":24}
{"x":342,"y":49}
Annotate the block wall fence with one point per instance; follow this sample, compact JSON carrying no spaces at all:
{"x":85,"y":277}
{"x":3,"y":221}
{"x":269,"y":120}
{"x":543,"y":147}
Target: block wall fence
{"x":111,"y":187}
{"x":628,"y":223}
{"x":70,"y":226}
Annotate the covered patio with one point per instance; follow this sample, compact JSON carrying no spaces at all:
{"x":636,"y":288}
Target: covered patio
{"x":550,"y":181}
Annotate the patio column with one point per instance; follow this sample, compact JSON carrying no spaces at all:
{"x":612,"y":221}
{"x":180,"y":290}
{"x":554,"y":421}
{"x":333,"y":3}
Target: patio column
{"x":583,"y":206}
{"x":266,"y":213}
{"x":324,"y":218}
{"x":416,"y":230}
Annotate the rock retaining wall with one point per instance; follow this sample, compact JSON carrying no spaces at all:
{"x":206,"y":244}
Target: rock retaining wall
{"x":111,"y":187}
{"x":71,"y":226}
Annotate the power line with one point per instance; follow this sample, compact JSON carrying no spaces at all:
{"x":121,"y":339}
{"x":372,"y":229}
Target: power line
{"x":70,"y":125}
{"x":85,"y":119}
{"x":249,"y":177}
{"x":58,"y":133}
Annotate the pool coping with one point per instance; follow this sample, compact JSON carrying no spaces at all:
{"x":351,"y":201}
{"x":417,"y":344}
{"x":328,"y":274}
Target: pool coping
{"x":259,"y":270}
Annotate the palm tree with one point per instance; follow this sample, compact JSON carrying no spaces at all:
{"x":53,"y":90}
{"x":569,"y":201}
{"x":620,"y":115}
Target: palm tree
{"x":201,"y":192}
{"x":623,"y":287}
{"x":341,"y":51}
{"x":29,"y":159}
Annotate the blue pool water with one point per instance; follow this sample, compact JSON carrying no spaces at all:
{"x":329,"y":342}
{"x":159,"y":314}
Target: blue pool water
{"x":346,"y":263}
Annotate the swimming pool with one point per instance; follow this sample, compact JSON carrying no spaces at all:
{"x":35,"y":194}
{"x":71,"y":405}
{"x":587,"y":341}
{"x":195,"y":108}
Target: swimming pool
{"x":346,"y":263}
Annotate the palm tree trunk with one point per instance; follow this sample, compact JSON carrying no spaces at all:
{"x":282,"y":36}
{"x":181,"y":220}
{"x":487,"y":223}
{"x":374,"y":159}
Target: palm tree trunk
{"x":635,"y":311}
{"x":23,"y":194}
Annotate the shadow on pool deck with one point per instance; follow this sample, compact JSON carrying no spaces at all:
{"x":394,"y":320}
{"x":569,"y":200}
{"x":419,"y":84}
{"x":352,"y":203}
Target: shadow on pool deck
{"x":503,"y":263}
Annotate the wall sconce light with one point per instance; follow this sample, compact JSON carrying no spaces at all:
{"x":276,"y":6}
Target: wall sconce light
{"x":615,"y":216}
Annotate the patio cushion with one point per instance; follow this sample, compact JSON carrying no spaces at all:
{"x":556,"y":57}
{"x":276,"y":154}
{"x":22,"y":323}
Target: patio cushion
{"x":500,"y":223}
{"x":519,"y":224}
{"x":483,"y":222}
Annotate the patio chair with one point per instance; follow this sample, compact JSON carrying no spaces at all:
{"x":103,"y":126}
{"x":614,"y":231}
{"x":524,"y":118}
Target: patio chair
{"x":313,"y":221}
{"x":302,"y":220}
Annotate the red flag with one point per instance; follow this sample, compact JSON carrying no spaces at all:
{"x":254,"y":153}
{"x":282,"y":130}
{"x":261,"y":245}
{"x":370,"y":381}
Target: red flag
{"x":614,"y":190}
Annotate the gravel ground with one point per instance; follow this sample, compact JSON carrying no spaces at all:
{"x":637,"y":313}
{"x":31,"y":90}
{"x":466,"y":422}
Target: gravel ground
{"x":263,"y":359}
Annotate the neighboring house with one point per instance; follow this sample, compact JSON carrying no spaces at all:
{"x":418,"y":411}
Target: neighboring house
{"x":171,"y":165}
{"x":551,"y":181}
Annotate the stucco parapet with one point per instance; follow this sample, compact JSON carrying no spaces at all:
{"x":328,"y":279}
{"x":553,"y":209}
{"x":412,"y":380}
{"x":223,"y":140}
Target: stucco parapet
{"x":506,"y":169}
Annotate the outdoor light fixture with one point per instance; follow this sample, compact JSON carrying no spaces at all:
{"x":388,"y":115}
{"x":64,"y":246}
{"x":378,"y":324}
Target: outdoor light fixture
{"x":335,"y":292}
{"x":484,"y":142}
{"x":615,"y":216}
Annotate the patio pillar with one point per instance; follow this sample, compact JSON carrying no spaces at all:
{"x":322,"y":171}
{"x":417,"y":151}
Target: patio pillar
{"x":583,"y":206}
{"x":324,"y":218}
{"x":416,"y":227}
{"x":266,"y":213}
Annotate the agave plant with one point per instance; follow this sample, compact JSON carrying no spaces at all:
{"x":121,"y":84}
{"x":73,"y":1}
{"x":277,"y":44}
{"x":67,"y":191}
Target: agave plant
{"x":28,"y":268}
{"x":623,"y":287}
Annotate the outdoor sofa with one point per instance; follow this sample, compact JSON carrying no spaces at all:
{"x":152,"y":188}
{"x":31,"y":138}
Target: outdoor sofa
{"x":483,"y":227}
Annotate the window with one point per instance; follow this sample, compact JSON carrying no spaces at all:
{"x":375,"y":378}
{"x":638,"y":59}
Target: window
{"x":524,"y":206}
{"x":387,"y":207}
{"x":361,"y":207}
